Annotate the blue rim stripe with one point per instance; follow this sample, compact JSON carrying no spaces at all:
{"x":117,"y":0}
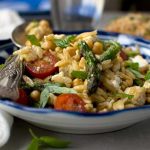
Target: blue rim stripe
{"x":50,"y":110}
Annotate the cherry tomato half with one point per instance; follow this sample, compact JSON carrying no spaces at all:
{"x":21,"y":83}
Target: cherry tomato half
{"x":69,"y":102}
{"x":23,"y":98}
{"x":43,"y":67}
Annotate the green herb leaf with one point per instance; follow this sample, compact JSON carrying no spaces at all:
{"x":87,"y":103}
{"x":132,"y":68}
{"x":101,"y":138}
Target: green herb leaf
{"x":124,"y":95}
{"x":54,"y":84}
{"x":53,"y":142}
{"x":32,"y":134}
{"x":34,"y":145}
{"x":53,"y":89}
{"x":147,"y":76}
{"x":1,"y":66}
{"x":136,"y":73}
{"x":132,"y":53}
{"x":132,"y":65}
{"x":46,"y":141}
{"x":33,"y":40}
{"x":39,"y":86}
{"x":79,"y":74}
{"x":63,"y":43}
{"x":138,"y":82}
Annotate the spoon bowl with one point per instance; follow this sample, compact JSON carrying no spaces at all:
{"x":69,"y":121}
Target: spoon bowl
{"x":18,"y":35}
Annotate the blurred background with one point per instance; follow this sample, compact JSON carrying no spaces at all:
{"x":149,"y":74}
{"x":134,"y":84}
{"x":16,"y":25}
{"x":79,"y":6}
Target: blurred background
{"x":68,"y":14}
{"x":30,"y":9}
{"x":44,"y":5}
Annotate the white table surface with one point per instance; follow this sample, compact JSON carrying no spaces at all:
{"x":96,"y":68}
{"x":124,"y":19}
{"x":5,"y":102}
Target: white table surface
{"x":136,"y":137}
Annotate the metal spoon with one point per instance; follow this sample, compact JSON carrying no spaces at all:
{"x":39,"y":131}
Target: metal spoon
{"x":18,"y":35}
{"x":10,"y":75}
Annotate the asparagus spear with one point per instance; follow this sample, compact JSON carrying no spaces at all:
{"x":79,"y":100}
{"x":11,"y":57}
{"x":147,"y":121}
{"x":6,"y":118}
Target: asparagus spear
{"x":111,"y":52}
{"x":92,"y":68}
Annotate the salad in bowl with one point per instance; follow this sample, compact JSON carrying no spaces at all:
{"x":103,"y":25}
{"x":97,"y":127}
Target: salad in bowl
{"x":78,"y":75}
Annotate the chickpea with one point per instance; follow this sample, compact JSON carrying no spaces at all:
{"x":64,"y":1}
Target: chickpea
{"x":71,"y":51}
{"x":77,"y":82}
{"x":82,"y":63}
{"x":35,"y":95}
{"x":48,"y":45}
{"x":49,"y":37}
{"x":79,"y":88}
{"x":44,"y":23}
{"x":97,"y":48}
{"x":28,"y":43}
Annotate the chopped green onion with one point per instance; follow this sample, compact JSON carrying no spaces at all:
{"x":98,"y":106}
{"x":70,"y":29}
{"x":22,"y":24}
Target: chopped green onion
{"x":63,"y":43}
{"x":147,"y":76}
{"x":33,"y":40}
{"x":79,"y":74}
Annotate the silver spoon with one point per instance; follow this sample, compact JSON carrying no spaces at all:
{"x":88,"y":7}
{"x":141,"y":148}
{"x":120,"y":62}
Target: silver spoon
{"x":18,"y":35}
{"x":10,"y":75}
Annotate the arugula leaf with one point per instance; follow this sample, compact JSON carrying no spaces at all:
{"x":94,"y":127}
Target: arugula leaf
{"x":136,"y":73}
{"x":132,"y":65}
{"x":53,"y":89}
{"x":63,"y":43}
{"x":147,"y":76}
{"x":79,"y":74}
{"x":46,"y":141}
{"x":124,"y":95}
{"x":34,"y":41}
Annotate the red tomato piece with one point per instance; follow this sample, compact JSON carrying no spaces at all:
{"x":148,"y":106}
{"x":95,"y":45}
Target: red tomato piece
{"x":23,"y":98}
{"x":43,"y":67}
{"x":69,"y":102}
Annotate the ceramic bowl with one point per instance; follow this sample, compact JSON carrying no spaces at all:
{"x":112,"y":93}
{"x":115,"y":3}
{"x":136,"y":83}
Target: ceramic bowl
{"x":83,"y":123}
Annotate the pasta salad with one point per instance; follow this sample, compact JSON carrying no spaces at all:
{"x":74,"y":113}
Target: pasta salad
{"x":82,"y":73}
